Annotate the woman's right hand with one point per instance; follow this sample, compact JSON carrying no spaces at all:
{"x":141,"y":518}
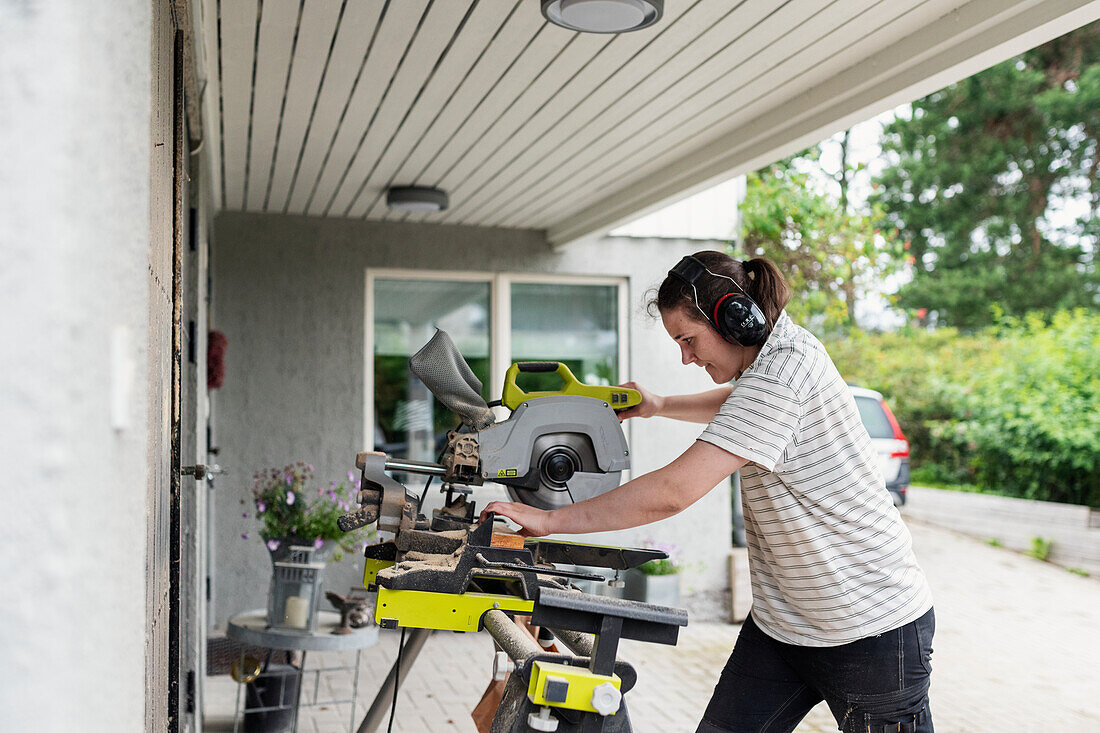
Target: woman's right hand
{"x":650,"y":405}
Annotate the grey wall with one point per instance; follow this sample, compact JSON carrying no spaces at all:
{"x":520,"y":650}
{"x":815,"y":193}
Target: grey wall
{"x":82,"y":321}
{"x":288,"y":292}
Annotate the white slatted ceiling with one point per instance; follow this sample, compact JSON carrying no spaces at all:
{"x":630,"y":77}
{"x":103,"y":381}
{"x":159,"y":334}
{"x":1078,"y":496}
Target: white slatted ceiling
{"x":212,"y":94}
{"x":274,"y":46}
{"x":650,"y":88}
{"x":326,"y":103}
{"x":357,"y":30}
{"x":623,"y":64}
{"x":316,"y":33}
{"x":516,"y":31}
{"x":816,"y":62}
{"x":397,"y":29}
{"x":849,"y":39}
{"x":426,"y":52}
{"x":238,"y":45}
{"x":445,"y":85}
{"x":801,"y":42}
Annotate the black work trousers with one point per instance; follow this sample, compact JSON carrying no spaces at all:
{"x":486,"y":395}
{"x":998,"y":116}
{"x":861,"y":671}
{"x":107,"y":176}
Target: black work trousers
{"x":875,"y":684}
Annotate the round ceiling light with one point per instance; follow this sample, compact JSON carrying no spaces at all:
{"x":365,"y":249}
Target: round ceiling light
{"x":416,"y":199}
{"x":603,"y":16}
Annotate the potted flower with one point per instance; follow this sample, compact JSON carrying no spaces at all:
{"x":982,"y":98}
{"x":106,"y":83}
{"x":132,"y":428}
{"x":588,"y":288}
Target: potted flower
{"x":657,"y":581}
{"x":298,"y":526}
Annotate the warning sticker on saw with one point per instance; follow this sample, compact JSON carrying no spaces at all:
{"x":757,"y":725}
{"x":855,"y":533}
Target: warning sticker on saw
{"x":507,"y":473}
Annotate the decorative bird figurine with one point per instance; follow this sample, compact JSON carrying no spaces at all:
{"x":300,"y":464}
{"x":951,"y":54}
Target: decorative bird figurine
{"x":355,"y":609}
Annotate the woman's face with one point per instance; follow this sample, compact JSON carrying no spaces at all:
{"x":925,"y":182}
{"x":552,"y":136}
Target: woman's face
{"x":701,"y":344}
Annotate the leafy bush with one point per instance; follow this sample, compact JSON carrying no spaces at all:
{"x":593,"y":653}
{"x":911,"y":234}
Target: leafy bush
{"x":1036,"y":410}
{"x":1014,"y":409}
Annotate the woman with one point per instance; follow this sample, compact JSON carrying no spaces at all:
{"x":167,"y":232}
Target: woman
{"x":841,"y":611}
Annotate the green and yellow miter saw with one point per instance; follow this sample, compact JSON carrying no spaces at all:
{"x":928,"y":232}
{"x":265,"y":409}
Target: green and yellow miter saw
{"x":452,"y":573}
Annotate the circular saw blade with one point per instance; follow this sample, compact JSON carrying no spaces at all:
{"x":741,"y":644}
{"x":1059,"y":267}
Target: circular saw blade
{"x":587,"y":481}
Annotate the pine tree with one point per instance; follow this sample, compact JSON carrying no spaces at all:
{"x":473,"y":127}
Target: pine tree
{"x":985,"y":177}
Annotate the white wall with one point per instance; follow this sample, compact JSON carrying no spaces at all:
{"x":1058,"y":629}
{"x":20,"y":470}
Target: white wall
{"x":288,"y":292}
{"x":75,"y":311}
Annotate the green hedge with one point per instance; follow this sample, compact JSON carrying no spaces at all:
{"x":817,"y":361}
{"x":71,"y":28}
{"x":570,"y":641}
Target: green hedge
{"x":1014,"y":409}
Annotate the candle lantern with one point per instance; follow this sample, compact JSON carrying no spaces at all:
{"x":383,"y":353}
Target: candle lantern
{"x":295,"y":591}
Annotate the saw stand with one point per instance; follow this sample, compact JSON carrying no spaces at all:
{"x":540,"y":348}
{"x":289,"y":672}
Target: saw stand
{"x":590,"y":627}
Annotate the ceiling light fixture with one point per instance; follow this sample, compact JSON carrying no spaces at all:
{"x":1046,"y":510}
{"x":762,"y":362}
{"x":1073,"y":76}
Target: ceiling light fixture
{"x":416,"y":199}
{"x":603,"y":16}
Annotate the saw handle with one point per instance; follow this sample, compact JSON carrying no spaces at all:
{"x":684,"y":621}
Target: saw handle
{"x":514,"y":395}
{"x":544,"y":366}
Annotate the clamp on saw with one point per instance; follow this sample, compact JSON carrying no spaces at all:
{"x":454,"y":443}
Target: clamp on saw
{"x":451,"y":573}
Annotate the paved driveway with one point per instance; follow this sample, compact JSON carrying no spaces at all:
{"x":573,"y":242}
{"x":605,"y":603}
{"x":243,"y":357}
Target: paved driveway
{"x":1017,"y":649}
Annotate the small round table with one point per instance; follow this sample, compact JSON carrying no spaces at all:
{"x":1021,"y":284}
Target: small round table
{"x":250,"y":627}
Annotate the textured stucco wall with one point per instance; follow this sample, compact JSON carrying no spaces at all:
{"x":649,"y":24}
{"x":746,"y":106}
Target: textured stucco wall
{"x":74,"y":286}
{"x":288,"y":292}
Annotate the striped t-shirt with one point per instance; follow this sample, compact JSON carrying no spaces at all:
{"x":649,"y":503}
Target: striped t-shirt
{"x":830,"y":558}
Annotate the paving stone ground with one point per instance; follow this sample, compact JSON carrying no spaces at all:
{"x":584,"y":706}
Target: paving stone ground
{"x":1017,"y":649}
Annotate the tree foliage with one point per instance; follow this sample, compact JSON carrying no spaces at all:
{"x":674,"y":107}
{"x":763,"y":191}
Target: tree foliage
{"x":986,"y":174}
{"x":829,"y":254}
{"x":1014,"y":408}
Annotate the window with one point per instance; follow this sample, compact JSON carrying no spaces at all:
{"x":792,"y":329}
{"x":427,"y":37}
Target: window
{"x":494,"y":320}
{"x":408,"y":421}
{"x":574,"y":324}
{"x":874,"y":418}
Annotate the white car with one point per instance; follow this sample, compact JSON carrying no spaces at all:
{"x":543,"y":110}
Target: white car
{"x":889,"y":442}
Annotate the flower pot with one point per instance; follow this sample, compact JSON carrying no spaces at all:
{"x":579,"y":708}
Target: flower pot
{"x":660,"y":590}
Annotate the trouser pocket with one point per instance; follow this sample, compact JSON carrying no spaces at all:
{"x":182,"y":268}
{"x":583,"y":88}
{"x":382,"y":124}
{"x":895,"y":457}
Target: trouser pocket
{"x":911,"y":716}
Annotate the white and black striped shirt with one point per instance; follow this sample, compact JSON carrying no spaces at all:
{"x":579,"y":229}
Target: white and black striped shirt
{"x":830,"y":558}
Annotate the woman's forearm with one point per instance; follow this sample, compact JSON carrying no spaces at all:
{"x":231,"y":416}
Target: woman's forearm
{"x":646,"y":499}
{"x":700,"y":407}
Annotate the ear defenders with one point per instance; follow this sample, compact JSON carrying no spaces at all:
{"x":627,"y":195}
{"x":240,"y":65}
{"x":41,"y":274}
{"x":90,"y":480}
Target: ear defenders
{"x":736,"y":316}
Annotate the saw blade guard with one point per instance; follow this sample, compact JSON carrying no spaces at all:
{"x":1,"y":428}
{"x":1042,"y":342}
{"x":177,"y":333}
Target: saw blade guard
{"x":555,"y":451}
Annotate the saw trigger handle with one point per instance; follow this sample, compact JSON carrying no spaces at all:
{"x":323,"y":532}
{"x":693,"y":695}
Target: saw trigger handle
{"x":540,"y":366}
{"x":617,"y":398}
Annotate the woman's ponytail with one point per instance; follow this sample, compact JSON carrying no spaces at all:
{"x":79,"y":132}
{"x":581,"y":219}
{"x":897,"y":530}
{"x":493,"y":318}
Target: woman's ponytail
{"x":767,"y":287}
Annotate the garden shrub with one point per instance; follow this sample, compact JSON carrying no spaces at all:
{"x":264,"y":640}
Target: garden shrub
{"x":1015,"y":408}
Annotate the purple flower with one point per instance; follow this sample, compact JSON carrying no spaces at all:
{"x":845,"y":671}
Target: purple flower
{"x":244,"y":536}
{"x":273,"y":545}
{"x":245,"y":515}
{"x":289,"y":498}
{"x":317,"y":543}
{"x":311,"y":467}
{"x":261,"y":507}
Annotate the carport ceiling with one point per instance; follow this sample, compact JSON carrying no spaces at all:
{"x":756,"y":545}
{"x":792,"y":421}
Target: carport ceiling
{"x":320,"y":105}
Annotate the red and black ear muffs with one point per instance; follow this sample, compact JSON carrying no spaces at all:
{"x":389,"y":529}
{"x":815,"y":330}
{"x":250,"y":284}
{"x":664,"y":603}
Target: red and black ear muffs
{"x":736,"y":316}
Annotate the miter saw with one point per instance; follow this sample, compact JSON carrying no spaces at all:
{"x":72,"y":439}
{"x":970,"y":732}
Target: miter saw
{"x":451,"y":573}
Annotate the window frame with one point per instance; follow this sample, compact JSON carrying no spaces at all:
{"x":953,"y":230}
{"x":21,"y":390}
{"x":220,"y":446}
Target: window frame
{"x":500,"y":320}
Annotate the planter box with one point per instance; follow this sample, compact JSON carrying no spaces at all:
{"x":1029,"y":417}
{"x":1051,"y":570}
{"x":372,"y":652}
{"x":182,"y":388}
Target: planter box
{"x":660,"y":590}
{"x":1075,"y":540}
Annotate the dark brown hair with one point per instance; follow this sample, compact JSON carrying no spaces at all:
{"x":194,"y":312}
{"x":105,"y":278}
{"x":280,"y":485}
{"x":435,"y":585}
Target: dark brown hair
{"x":763,"y":280}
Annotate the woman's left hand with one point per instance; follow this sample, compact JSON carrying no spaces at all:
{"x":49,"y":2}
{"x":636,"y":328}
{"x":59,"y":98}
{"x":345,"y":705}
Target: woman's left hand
{"x":533,"y":522}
